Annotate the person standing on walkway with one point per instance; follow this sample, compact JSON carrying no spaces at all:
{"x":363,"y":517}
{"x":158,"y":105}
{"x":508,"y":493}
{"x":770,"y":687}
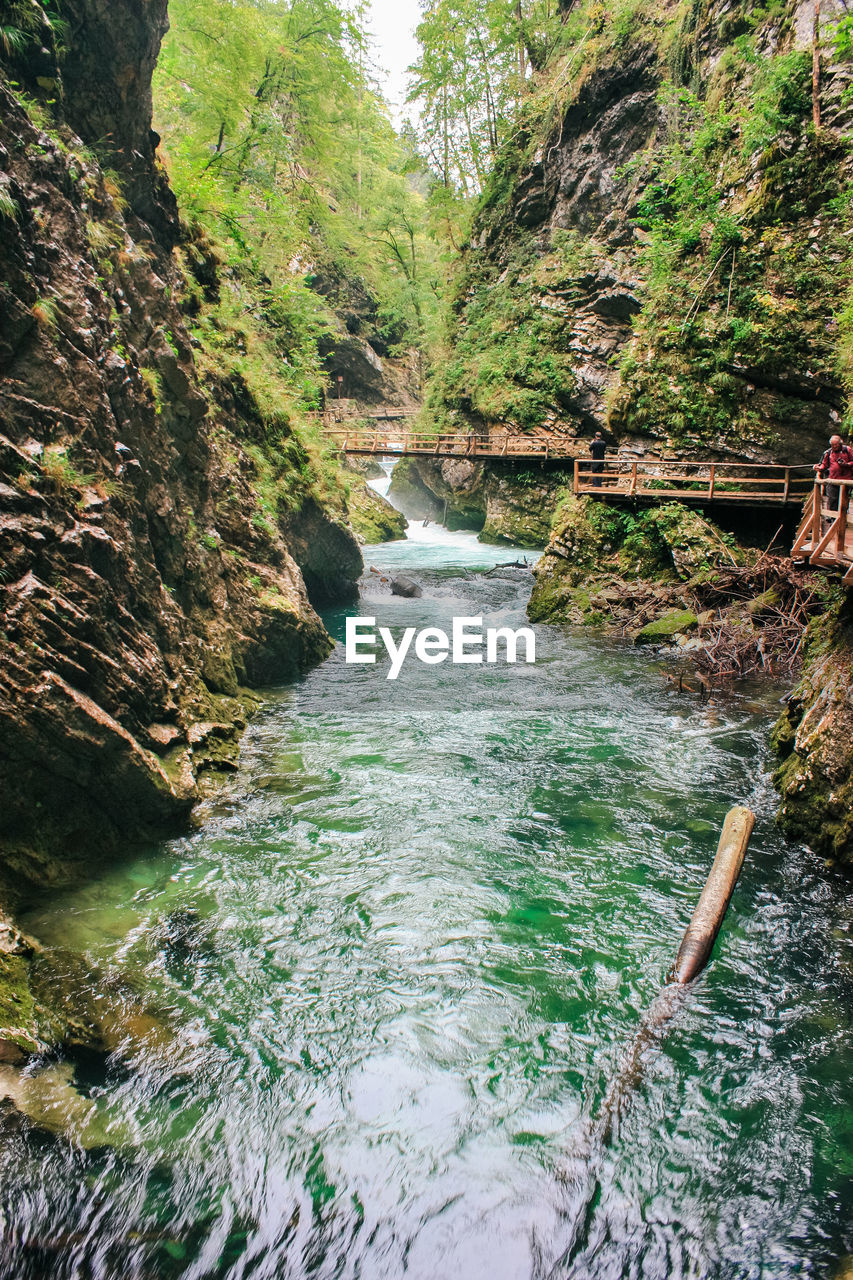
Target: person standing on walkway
{"x":836,"y":464}
{"x":598,"y":448}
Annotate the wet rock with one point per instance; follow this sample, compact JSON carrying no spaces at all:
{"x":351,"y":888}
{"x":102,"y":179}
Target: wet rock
{"x":487,"y":497}
{"x":405,"y":587}
{"x":372,"y":517}
{"x":326,"y":552}
{"x":411,"y":495}
{"x":813,"y":740}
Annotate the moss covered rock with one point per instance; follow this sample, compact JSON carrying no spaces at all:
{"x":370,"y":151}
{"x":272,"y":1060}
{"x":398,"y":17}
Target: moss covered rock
{"x":813,"y":740}
{"x":590,"y":540}
{"x":520,"y":507}
{"x":411,"y":494}
{"x":372,"y":518}
{"x":672,"y":537}
{"x":671,"y":624}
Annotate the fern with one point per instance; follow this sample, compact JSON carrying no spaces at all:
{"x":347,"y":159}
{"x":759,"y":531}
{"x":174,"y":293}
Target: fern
{"x":8,"y":206}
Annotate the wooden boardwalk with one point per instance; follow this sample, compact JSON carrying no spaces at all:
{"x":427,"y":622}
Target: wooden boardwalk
{"x":697,"y":484}
{"x":391,"y":443}
{"x":335,"y":415}
{"x":825,"y":537}
{"x":620,"y":480}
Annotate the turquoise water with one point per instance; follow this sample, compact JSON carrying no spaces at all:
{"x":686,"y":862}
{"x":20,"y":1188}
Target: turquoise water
{"x":423,"y":924}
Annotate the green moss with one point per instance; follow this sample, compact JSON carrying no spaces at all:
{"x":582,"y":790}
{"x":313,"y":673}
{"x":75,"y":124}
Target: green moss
{"x":19,"y":1016}
{"x":510,"y":360}
{"x":671,"y":624}
{"x":813,"y":737}
{"x":372,"y":518}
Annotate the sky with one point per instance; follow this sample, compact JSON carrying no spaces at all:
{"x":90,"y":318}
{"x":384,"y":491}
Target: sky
{"x":393,"y":23}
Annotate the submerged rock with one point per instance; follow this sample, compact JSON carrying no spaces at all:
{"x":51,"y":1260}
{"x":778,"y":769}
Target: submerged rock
{"x":53,"y":1000}
{"x":184,"y":938}
{"x":47,"y":1097}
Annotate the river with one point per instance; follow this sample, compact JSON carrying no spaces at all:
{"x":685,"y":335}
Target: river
{"x":421,"y":926}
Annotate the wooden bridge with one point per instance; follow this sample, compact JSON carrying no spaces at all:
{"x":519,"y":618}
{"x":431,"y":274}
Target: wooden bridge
{"x":825,"y":537}
{"x":390,"y":443}
{"x":617,"y":480}
{"x":338,"y":412}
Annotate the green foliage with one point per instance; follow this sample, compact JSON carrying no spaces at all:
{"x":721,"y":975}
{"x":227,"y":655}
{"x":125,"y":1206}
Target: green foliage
{"x":20,"y":24}
{"x":40,"y":115}
{"x":105,"y":239}
{"x":8,"y":204}
{"x":780,"y":98}
{"x":62,"y":477}
{"x":469,"y":80}
{"x":154,"y":383}
{"x":45,"y":311}
{"x":283,"y":155}
{"x":508,"y":360}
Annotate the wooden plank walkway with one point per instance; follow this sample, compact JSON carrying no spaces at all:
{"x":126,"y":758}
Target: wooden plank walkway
{"x":697,"y":484}
{"x":333,"y":414}
{"x":620,"y":480}
{"x":825,"y":537}
{"x":397,"y":444}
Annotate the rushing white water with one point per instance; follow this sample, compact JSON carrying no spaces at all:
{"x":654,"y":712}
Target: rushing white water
{"x":382,"y":483}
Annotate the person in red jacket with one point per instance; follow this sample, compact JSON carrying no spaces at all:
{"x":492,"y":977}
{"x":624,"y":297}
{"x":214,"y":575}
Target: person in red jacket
{"x":836,"y":464}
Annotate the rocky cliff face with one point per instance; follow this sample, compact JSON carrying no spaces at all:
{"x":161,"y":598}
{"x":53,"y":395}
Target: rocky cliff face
{"x":148,"y":570}
{"x":501,"y":502}
{"x":357,"y":355}
{"x":814,"y":740}
{"x":658,"y":251}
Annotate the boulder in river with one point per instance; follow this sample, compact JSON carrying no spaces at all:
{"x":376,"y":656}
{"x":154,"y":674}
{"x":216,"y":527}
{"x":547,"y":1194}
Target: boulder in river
{"x":405,"y":587}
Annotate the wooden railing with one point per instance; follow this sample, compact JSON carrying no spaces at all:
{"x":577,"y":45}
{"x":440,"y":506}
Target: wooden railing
{"x":825,"y":536}
{"x":699,"y":482}
{"x":401,"y":443}
{"x":619,"y":479}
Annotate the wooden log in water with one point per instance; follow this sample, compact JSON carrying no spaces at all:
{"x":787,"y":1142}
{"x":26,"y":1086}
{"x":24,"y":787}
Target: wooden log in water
{"x":704,"y":926}
{"x":696,"y":946}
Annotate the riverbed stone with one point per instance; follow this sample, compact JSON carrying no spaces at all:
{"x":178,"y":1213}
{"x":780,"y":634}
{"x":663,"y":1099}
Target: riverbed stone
{"x":666,"y":627}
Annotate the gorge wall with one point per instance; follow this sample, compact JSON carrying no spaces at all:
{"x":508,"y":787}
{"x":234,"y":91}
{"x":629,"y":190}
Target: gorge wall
{"x":659,"y":248}
{"x":155,"y":543}
{"x":663,"y":251}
